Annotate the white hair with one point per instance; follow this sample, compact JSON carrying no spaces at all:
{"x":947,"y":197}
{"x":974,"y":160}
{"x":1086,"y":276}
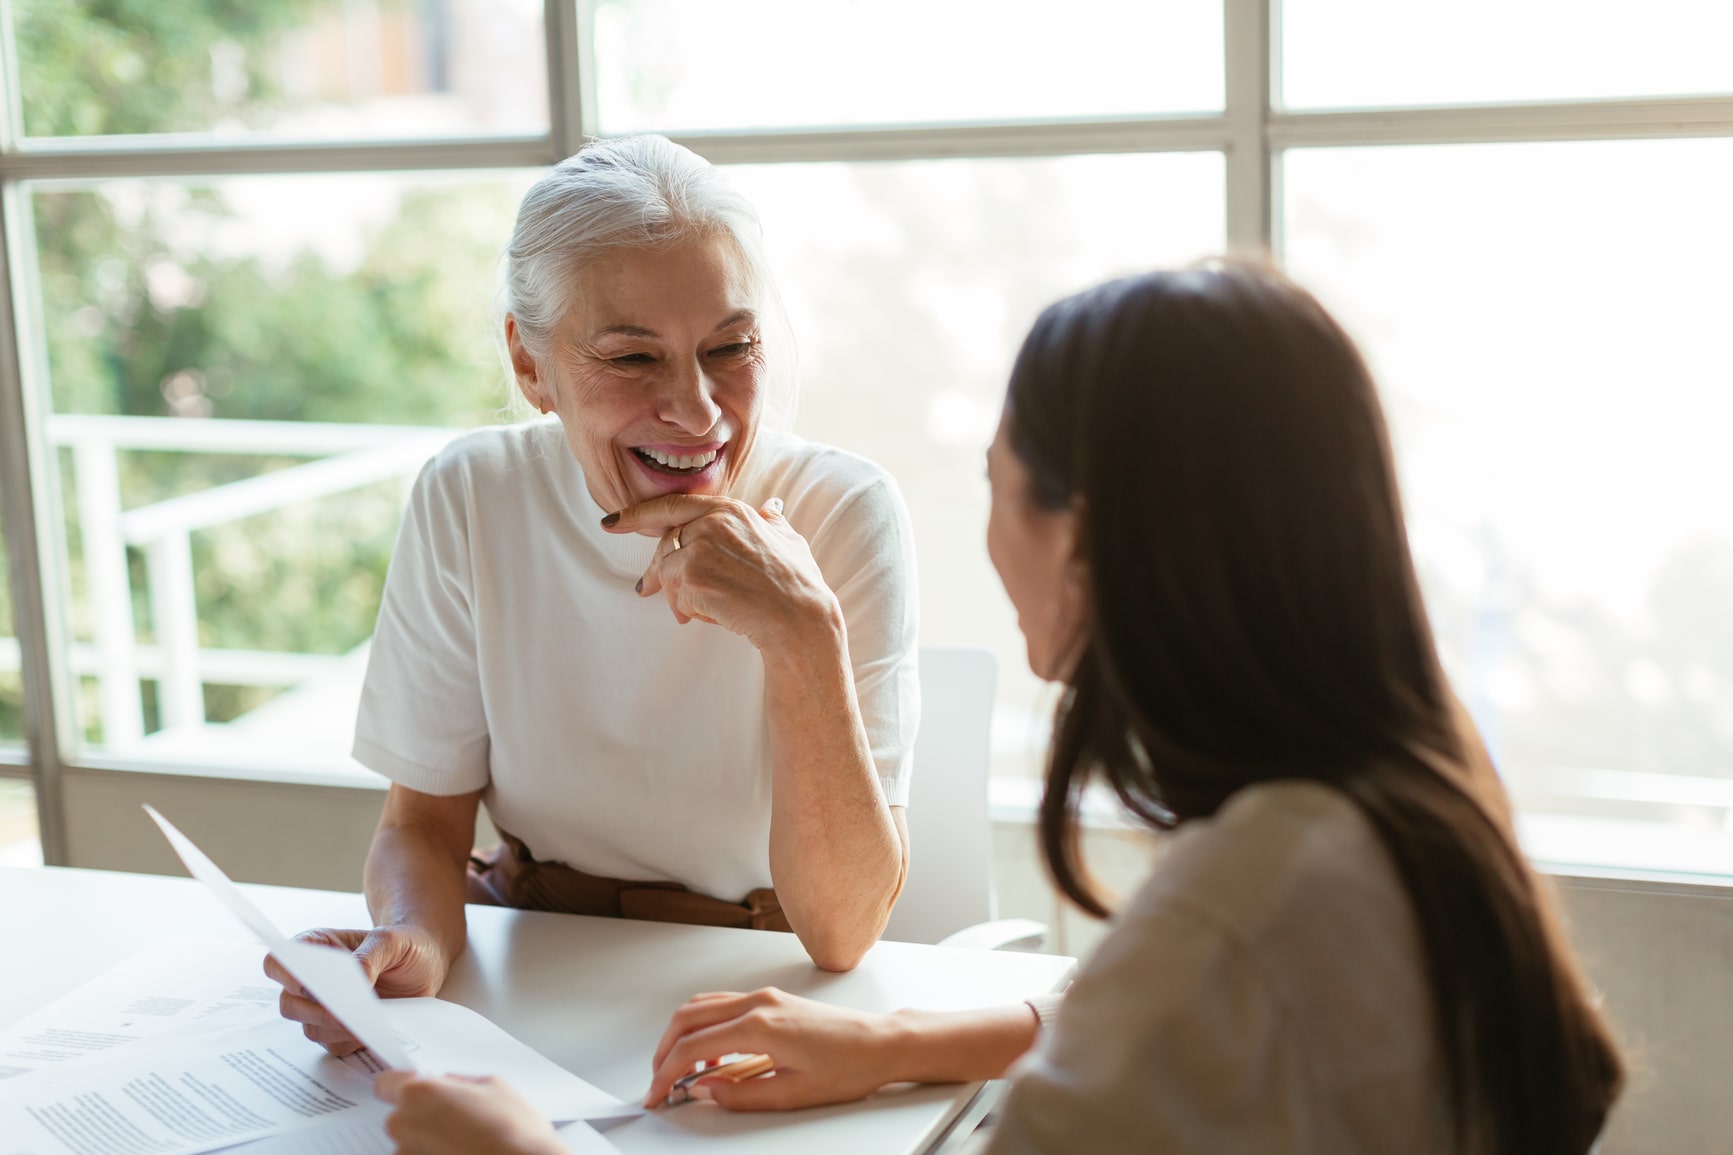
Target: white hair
{"x":635,"y":192}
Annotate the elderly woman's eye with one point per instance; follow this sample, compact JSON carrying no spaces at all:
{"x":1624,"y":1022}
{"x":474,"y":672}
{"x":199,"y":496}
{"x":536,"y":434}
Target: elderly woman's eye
{"x":632,"y":359}
{"x":737,"y":349}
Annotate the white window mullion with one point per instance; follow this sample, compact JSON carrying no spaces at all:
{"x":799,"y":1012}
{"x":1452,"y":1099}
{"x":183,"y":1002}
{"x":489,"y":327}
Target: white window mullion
{"x":571,"y":83}
{"x":27,"y":470}
{"x":1248,"y":45}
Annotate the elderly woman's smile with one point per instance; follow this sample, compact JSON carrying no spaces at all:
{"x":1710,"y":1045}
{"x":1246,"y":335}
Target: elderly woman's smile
{"x":680,"y":461}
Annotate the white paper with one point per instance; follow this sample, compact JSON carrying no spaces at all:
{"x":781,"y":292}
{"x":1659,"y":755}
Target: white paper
{"x":210,"y":1090}
{"x":585,"y":1140}
{"x":172,"y":984}
{"x":331,"y":976}
{"x":218,"y":1087}
{"x":218,"y":883}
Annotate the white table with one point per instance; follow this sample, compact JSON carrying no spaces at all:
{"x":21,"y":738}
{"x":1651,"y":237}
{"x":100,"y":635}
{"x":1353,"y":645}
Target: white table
{"x":593,"y":994}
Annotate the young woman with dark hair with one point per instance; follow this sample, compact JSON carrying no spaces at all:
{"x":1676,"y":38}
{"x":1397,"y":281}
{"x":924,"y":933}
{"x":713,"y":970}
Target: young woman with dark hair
{"x":1342,"y":948}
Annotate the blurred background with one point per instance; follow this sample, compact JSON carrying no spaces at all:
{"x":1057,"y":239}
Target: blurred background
{"x":239,"y":375}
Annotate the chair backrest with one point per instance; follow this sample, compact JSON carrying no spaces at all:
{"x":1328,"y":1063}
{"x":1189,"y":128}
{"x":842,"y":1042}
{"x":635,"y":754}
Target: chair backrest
{"x":950,"y":883}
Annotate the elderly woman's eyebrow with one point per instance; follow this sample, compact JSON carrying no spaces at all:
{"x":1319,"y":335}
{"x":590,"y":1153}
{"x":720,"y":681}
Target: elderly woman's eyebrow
{"x":625,"y":331}
{"x":743,"y":316}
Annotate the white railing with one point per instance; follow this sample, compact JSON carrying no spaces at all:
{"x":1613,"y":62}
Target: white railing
{"x":346,"y":457}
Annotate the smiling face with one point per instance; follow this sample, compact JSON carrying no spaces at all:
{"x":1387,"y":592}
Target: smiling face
{"x":1035,"y":551}
{"x":657,"y":371}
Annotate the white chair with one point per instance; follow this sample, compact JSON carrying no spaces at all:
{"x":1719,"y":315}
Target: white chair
{"x":948,"y":898}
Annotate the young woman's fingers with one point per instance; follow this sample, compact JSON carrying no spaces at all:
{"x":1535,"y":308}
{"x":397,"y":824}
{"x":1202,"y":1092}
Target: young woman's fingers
{"x":698,"y":1013}
{"x":767,"y":1093}
{"x":744,"y":1034}
{"x":389,"y":1085}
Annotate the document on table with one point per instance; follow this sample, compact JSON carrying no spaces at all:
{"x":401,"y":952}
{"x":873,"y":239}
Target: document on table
{"x":173,"y":983}
{"x":219,"y":1086}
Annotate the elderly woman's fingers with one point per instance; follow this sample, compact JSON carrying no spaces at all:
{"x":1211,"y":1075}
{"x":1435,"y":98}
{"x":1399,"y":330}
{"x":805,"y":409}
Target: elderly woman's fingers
{"x":657,"y":516}
{"x":672,"y":542}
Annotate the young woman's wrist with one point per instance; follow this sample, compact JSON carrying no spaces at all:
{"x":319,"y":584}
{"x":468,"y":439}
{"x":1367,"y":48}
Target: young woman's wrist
{"x":956,"y":1047}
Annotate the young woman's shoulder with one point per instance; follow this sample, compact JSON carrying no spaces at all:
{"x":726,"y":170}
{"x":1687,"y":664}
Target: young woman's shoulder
{"x":1263,"y":992}
{"x":1271,"y":849}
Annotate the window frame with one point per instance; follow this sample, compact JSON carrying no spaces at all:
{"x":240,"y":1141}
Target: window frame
{"x":1252,"y":131}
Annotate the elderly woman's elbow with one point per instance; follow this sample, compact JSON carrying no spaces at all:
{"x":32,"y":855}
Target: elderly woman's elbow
{"x":838,"y":959}
{"x":840,"y":948}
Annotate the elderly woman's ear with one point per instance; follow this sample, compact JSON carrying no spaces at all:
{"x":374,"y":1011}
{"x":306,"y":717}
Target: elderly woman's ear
{"x":523,"y":363}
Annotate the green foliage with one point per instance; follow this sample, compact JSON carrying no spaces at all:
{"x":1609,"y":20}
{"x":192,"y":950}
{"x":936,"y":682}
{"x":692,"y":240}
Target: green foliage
{"x":127,"y":66}
{"x":164,"y":299}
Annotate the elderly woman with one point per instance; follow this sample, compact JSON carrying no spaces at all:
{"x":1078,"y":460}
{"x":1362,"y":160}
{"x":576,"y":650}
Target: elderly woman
{"x":670,"y":646}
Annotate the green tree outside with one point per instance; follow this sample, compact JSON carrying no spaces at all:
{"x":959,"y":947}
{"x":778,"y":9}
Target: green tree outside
{"x":151,"y":310}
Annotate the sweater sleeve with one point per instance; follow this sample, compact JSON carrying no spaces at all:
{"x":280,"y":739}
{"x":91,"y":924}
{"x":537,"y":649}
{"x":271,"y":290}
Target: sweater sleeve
{"x":1170,"y":1041}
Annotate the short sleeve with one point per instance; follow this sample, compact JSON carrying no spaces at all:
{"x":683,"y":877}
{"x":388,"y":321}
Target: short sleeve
{"x":421,"y":722}
{"x":1169,"y":1041}
{"x":867,"y":554}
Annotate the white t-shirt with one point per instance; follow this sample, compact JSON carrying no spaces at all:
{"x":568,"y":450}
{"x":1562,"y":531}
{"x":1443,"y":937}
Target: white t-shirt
{"x":1265,"y":991}
{"x":513,"y":653}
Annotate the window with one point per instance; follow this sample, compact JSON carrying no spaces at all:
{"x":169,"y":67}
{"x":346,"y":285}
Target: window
{"x":19,"y":845}
{"x":910,"y":286}
{"x":1361,"y":53}
{"x":1549,"y":323}
{"x":245,"y":374}
{"x":684,"y":65}
{"x":253,"y":257}
{"x":299,"y":69}
{"x":11,"y":679}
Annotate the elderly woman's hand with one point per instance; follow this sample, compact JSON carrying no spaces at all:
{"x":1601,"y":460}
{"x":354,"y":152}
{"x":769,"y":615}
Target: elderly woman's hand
{"x":461,"y":1115}
{"x":402,"y":962}
{"x":721,"y":561}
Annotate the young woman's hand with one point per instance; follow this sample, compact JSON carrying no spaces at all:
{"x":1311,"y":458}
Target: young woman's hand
{"x":823,"y":1054}
{"x":462,"y":1115}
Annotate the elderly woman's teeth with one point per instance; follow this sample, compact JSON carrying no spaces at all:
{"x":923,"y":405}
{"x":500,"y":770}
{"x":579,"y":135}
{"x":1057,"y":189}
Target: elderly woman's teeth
{"x":678,"y":462}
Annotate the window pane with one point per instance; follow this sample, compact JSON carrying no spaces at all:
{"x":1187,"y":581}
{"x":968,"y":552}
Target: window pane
{"x":291,"y":68}
{"x":910,"y":286}
{"x":692,"y":64}
{"x":19,"y":843}
{"x":1550,"y":326}
{"x":225,"y":573}
{"x":11,"y":678}
{"x":1350,"y":53}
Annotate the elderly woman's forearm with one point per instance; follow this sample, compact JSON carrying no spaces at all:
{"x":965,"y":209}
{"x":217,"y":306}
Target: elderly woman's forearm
{"x":836,"y":855}
{"x":413,"y":876}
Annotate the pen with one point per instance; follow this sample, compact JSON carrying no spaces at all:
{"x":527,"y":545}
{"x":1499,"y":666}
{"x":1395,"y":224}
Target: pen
{"x":745,"y":1067}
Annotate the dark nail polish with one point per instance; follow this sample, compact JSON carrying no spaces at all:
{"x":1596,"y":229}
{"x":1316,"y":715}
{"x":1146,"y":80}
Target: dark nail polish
{"x":611,"y":521}
{"x":640,"y":586}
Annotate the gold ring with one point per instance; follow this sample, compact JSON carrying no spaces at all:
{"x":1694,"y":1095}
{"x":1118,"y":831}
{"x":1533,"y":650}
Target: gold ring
{"x":676,"y":539}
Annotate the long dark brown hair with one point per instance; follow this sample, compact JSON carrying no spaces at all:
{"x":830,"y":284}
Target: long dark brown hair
{"x":1256,"y":616}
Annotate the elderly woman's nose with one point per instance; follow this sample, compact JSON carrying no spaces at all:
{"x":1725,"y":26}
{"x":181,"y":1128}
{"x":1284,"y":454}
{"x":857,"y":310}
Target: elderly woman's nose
{"x":690,"y":399}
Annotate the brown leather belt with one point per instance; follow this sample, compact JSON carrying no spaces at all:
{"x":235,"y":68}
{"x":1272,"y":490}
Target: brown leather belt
{"x":508,"y":875}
